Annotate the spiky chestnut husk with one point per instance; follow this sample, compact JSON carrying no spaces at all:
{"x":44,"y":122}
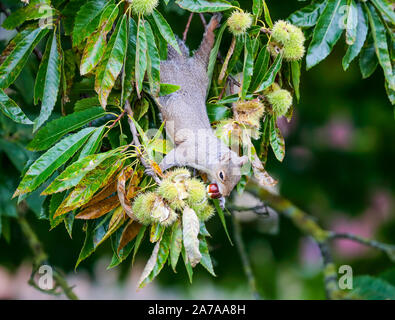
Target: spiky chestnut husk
{"x":280,"y":100}
{"x":179,"y":174}
{"x":142,"y":207}
{"x":288,"y":37}
{"x":144,"y":7}
{"x":249,"y":112}
{"x":173,"y":192}
{"x":239,"y":22}
{"x":229,"y":132}
{"x":162,"y":213}
{"x":196,"y":191}
{"x":204,"y":211}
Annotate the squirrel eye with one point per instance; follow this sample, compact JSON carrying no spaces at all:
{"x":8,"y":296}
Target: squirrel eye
{"x":221,"y":175}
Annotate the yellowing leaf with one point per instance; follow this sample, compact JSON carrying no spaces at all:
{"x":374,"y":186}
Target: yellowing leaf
{"x":191,"y":227}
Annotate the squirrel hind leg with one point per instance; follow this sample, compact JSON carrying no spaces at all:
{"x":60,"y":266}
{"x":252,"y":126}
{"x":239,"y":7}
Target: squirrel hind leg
{"x":203,"y":52}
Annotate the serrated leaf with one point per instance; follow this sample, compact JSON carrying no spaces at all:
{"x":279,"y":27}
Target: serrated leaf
{"x":385,"y":8}
{"x":190,"y":232}
{"x":98,"y":209}
{"x":276,"y":140}
{"x":187,"y":264}
{"x":295,"y":69}
{"x":93,"y":143}
{"x":74,"y":173}
{"x":112,"y":62}
{"x":370,"y":288}
{"x":153,"y":61}
{"x":9,"y":108}
{"x":130,"y":58}
{"x":156,"y":232}
{"x":270,"y":74}
{"x":214,"y":53}
{"x":257,"y":8}
{"x":361,"y":33}
{"x":16,"y":60}
{"x":87,"y":19}
{"x":217,"y":112}
{"x":34,"y":10}
{"x":141,"y":54}
{"x":57,"y":128}
{"x":165,"y":30}
{"x":126,"y":173}
{"x":260,"y":68}
{"x":248,"y":67}
{"x":367,"y":59}
{"x":222,"y":218}
{"x":139,"y":238}
{"x":204,"y":5}
{"x":206,"y":259}
{"x":175,"y":244}
{"x":351,"y":22}
{"x":130,"y":232}
{"x":51,"y":160}
{"x":326,"y":33}
{"x":91,"y":182}
{"x":167,"y":88}
{"x":380,"y":43}
{"x":307,"y":16}
{"x":266,"y":13}
{"x":96,"y":43}
{"x":48,"y":79}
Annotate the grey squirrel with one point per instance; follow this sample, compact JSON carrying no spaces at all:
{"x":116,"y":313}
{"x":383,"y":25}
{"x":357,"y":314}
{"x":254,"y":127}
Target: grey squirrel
{"x":187,"y":122}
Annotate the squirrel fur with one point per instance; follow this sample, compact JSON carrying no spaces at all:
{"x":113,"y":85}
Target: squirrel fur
{"x":187,"y":122}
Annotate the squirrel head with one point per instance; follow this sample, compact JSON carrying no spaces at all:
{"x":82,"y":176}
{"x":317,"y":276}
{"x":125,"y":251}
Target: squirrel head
{"x":227,"y":172}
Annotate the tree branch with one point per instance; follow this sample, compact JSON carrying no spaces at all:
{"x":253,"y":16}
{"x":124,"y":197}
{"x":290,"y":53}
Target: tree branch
{"x":40,"y":258}
{"x":244,"y":258}
{"x":309,"y":226}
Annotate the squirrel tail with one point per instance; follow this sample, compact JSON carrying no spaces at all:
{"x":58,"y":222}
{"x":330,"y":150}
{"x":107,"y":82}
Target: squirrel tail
{"x":203,"y":53}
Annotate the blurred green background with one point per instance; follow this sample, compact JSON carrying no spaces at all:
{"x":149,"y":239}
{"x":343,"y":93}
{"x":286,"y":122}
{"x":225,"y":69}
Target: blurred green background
{"x":340,"y":154}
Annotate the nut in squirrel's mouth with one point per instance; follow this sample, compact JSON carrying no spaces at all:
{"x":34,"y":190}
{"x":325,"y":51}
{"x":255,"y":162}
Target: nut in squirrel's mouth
{"x":213,"y":191}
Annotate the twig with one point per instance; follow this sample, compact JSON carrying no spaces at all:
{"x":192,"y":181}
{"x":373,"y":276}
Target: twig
{"x":203,"y":20}
{"x":184,"y":35}
{"x":244,"y":258}
{"x":40,"y":258}
{"x":136,"y":141}
{"x":36,"y":51}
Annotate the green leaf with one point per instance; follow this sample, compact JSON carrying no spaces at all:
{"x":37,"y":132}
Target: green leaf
{"x":361,"y":33}
{"x":87,"y":19}
{"x":93,"y":143}
{"x":12,"y":110}
{"x":370,"y":288}
{"x":248,"y":67}
{"x":74,"y":173}
{"x":57,"y":128}
{"x":385,"y":8}
{"x":188,"y":266}
{"x":153,"y":61}
{"x":351,"y":22}
{"x":15,"y":152}
{"x":141,"y":54}
{"x":367,"y":59}
{"x":307,"y":16}
{"x":121,"y":255}
{"x":165,"y":30}
{"x":157,"y":260}
{"x":204,"y":5}
{"x":257,"y":8}
{"x":222,"y":218}
{"x":47,"y":83}
{"x":277,"y":140}
{"x":268,"y":19}
{"x":167,"y":88}
{"x":260,"y":68}
{"x":295,"y":69}
{"x":206,"y":259}
{"x":380,"y":43}
{"x":214,"y":53}
{"x":217,"y":112}
{"x":130,"y":58}
{"x":112,"y":62}
{"x":156,"y":232}
{"x":34,"y":10}
{"x":270,"y":75}
{"x":45,"y":165}
{"x":90,"y":183}
{"x":139,"y":238}
{"x":175,"y":244}
{"x":326,"y":33}
{"x":16,"y":60}
{"x":96,"y":43}
{"x":86,"y":103}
